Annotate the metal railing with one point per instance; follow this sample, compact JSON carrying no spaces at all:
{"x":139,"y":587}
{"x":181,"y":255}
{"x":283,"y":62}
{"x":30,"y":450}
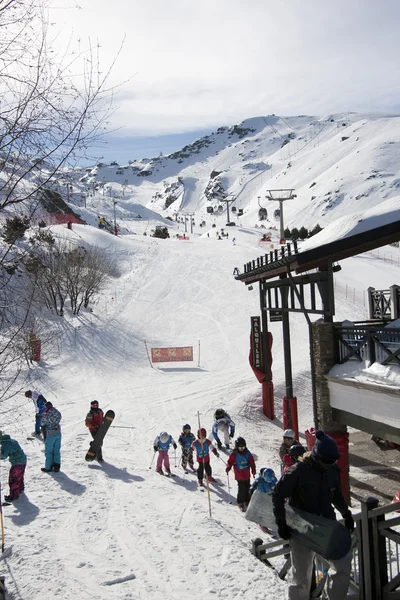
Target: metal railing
{"x":375,"y":567}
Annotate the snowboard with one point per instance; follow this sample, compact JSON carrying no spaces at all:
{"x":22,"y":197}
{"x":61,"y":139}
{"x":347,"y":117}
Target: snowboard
{"x":98,"y":440}
{"x":328,"y":538}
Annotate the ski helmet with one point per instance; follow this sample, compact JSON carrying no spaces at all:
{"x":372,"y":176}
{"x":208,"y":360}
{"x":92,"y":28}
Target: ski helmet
{"x":268,"y":475}
{"x":202,"y":433}
{"x":164,"y":437}
{"x":94,"y":404}
{"x":186,"y":427}
{"x":296,"y":450}
{"x":288,"y":433}
{"x":219,"y":414}
{"x":240,"y":443}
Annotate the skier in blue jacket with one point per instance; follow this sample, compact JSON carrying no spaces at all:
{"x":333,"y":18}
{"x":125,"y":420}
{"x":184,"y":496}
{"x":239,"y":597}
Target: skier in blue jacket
{"x":186,"y":440}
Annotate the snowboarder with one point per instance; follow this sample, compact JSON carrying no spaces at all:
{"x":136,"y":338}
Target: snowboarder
{"x":294,"y":454}
{"x":12,"y":450}
{"x":93,"y":420}
{"x":161,"y":445}
{"x":51,"y":421}
{"x":313,"y":485}
{"x":224,"y":424}
{"x":202,"y":446}
{"x":186,"y":440}
{"x":242,"y":461}
{"x":288,"y":440}
{"x":39,"y":402}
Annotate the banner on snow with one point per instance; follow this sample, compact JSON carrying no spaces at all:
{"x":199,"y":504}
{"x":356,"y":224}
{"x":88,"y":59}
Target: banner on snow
{"x":179,"y":354}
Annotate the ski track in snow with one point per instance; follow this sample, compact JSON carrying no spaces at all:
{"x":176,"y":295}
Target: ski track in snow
{"x":120,"y":531}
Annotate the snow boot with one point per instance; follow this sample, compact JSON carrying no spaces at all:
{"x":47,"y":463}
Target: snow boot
{"x":9,"y":499}
{"x":227,"y":446}
{"x":210,"y":479}
{"x":46,"y":470}
{"x":56,"y":467}
{"x":219,"y":445}
{"x":160,"y":471}
{"x":242,"y":507}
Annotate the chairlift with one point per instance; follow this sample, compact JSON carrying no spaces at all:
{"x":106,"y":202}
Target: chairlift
{"x":233,"y":209}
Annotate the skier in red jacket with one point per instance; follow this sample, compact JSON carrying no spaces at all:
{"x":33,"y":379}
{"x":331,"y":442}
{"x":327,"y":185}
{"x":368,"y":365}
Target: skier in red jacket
{"x":242,"y":461}
{"x":93,"y":420}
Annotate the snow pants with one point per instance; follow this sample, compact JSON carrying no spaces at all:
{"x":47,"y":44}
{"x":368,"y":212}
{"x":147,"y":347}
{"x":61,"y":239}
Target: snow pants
{"x":243,"y":496}
{"x":163,"y":458}
{"x":224,"y":429}
{"x":337,"y":581}
{"x":16,"y":480}
{"x":52,"y":447}
{"x":187,"y":457}
{"x":37,"y":423}
{"x":203,"y":467}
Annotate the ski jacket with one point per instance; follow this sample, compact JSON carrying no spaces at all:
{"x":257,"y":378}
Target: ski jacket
{"x":51,"y":420}
{"x":186,"y":440}
{"x":310,"y":488}
{"x":288,"y":461}
{"x":94,"y":418}
{"x":263,"y":486}
{"x":12,"y":450}
{"x":203,"y":450}
{"x":39,"y":402}
{"x":163,"y":445}
{"x":225,"y":423}
{"x":242,"y":462}
{"x":285,"y":449}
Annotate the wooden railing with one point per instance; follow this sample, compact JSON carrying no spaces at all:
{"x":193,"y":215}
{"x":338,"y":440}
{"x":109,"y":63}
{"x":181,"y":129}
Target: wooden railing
{"x":368,"y":342}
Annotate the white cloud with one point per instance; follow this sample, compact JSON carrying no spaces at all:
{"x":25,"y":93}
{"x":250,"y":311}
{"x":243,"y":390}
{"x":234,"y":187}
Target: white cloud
{"x":212,"y":62}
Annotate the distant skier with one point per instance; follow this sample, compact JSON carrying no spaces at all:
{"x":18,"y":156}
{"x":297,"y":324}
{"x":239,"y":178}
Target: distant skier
{"x":51,"y":421}
{"x":202,"y":446}
{"x":288,"y":440}
{"x":313,"y":485}
{"x":93,"y":420}
{"x":294,"y":454}
{"x":12,"y":450}
{"x":186,"y":440}
{"x":161,"y":445}
{"x":39,"y":402}
{"x":223,"y":424}
{"x":242,"y":461}
{"x":234,"y":241}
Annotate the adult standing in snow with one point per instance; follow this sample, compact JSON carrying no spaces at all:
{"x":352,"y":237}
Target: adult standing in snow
{"x":93,"y":420}
{"x":161,"y":445}
{"x":12,"y":450}
{"x":313,"y":485}
{"x":51,"y":421}
{"x":186,"y":440}
{"x":202,"y":446}
{"x":222,"y":424}
{"x":39,"y":402}
{"x":242,"y":461}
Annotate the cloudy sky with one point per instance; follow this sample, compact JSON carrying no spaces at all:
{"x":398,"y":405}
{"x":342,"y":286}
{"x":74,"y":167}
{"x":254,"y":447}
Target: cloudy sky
{"x":193,"y":66}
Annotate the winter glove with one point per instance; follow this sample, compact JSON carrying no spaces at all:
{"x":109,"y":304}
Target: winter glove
{"x":175,"y":446}
{"x":284,"y":531}
{"x":232,"y":433}
{"x":227,"y":469}
{"x":254,"y":474}
{"x":155,"y":448}
{"x":349,"y":522}
{"x":216,"y":453}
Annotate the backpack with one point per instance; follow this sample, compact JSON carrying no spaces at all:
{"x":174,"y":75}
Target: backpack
{"x":219,"y":414}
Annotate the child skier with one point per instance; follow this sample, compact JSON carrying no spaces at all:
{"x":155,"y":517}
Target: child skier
{"x":242,"y":461}
{"x":12,"y":450}
{"x":294,"y":454}
{"x":186,"y":440}
{"x":161,"y":445}
{"x":224,"y":424}
{"x":93,"y":420}
{"x":51,"y":422}
{"x":264,"y":481}
{"x":202,"y":447}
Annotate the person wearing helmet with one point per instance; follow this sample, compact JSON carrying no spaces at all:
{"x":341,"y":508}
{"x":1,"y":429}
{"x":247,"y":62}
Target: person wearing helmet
{"x":161,"y":445}
{"x":313,"y":485}
{"x":264,"y":484}
{"x":288,"y":440}
{"x":295,"y":453}
{"x":93,"y":420}
{"x":222,"y":424}
{"x":202,"y":446}
{"x":242,"y":461}
{"x":186,"y":440}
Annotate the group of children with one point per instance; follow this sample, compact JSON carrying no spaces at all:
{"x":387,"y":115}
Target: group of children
{"x":240,"y":459}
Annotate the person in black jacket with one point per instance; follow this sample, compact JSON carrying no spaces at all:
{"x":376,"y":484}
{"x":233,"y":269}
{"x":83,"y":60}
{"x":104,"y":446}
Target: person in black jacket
{"x":313,"y":485}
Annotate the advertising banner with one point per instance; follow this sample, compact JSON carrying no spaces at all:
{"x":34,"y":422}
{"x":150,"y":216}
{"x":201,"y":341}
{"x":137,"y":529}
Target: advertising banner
{"x":172,"y":354}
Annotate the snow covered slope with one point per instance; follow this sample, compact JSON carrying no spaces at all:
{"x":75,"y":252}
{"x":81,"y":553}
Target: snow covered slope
{"x":120,"y":531}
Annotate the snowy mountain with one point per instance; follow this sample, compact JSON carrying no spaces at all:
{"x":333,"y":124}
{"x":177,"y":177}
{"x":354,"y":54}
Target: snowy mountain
{"x":336,"y":165}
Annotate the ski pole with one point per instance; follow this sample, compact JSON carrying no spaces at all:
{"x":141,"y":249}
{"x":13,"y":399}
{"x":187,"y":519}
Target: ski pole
{"x":175,"y":456}
{"x":151,"y":464}
{"x":221,"y":459}
{"x":2,"y":524}
{"x":229,"y":488}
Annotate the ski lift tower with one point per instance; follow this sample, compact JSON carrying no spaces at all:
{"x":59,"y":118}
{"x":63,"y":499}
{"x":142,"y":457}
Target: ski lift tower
{"x":228,"y":200}
{"x":280,"y":196}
